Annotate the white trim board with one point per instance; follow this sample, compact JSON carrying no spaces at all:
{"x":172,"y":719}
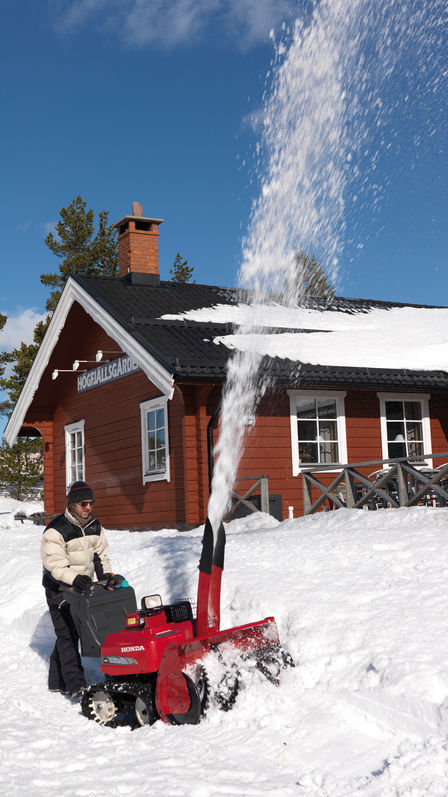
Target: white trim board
{"x":73,"y":292}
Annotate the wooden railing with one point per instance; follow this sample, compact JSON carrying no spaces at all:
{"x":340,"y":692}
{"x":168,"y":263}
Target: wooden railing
{"x":393,"y":483}
{"x":243,"y":500}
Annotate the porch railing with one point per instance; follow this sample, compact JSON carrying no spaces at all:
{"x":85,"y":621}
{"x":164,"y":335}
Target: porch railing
{"x":393,"y":483}
{"x":261,"y":483}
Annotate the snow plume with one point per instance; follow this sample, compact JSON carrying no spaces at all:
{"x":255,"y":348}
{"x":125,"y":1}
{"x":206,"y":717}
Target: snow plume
{"x":339,"y":81}
{"x":239,"y":405}
{"x":328,"y":115}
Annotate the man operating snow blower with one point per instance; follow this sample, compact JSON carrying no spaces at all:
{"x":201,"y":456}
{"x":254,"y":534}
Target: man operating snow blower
{"x":74,"y":550}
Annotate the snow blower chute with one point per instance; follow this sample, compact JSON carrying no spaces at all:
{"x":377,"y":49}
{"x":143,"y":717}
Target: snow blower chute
{"x":157,"y":666}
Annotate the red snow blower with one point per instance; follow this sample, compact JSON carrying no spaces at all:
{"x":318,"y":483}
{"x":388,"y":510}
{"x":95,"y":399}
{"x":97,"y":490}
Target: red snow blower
{"x":165,"y":663}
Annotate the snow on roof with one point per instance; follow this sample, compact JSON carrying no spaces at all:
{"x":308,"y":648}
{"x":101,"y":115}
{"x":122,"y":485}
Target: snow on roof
{"x":395,"y":337}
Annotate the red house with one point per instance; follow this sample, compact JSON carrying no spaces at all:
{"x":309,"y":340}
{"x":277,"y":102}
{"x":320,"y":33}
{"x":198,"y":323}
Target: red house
{"x":127,"y":397}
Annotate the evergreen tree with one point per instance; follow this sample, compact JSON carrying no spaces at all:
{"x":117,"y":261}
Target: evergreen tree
{"x":5,"y":357}
{"x":309,"y":278}
{"x":181,"y":271}
{"x":79,"y":249}
{"x":23,"y":358}
{"x":20,"y":466}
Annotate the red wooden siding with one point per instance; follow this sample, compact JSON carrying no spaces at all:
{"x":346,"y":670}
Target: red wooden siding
{"x":268,"y":444}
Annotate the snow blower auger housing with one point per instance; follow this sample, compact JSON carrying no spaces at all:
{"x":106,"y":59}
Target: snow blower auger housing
{"x":156,"y":666}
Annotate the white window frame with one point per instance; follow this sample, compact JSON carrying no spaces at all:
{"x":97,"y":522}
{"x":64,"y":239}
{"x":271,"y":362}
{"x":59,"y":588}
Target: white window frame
{"x":146,"y":407}
{"x":423,"y":398}
{"x":339,"y":396}
{"x":69,"y":429}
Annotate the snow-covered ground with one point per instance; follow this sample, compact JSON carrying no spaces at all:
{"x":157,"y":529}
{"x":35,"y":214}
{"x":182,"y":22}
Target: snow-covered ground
{"x":361,"y":602}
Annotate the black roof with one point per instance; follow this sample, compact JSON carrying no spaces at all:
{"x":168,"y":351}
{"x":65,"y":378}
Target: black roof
{"x":187,"y":349}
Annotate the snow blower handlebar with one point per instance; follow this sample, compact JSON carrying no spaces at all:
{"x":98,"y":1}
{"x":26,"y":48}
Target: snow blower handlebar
{"x":113,"y":581}
{"x":211,"y":565}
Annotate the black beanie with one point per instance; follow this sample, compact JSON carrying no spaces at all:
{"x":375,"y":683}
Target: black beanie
{"x":79,"y":491}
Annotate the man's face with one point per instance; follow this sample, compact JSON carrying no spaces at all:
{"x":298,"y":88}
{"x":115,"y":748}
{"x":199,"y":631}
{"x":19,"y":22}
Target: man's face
{"x":83,"y":508}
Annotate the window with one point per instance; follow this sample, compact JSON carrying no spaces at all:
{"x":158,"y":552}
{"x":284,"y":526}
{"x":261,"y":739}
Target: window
{"x":154,"y":426}
{"x":317,"y":428}
{"x":405,"y":428}
{"x":74,"y":453}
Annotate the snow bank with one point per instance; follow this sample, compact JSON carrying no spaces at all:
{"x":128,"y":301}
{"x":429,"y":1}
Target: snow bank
{"x":360,"y":601}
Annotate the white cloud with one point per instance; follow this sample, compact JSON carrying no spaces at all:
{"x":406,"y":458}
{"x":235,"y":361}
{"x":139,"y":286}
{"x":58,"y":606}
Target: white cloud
{"x":19,"y":329}
{"x":171,"y":22}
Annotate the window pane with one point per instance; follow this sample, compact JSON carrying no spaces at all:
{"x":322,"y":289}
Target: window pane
{"x":395,"y":432}
{"x":396,"y":450}
{"x":394,"y":410}
{"x":307,"y":430}
{"x":414,"y":431}
{"x":328,"y":430}
{"x":413,"y":410}
{"x":415,"y":449}
{"x":308,"y":452}
{"x":327,"y":408}
{"x":156,"y":440}
{"x":151,"y":441}
{"x":328,"y":452}
{"x":306,"y":408}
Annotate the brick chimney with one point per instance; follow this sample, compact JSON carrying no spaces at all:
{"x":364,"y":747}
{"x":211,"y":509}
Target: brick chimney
{"x":138,"y":247}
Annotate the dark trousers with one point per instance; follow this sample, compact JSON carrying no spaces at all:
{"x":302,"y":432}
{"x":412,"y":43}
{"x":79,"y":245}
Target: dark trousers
{"x":66,"y":670}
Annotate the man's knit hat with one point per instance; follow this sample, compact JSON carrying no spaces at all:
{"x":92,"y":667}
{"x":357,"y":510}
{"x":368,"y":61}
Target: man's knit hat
{"x":79,"y":491}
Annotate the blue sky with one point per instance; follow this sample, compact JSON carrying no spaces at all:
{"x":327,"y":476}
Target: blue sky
{"x":155,"y":101}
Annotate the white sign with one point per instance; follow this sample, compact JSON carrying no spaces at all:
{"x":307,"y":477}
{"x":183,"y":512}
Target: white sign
{"x":106,"y":373}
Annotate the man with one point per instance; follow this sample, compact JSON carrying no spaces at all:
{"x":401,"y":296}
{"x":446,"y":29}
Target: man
{"x":74,"y":549}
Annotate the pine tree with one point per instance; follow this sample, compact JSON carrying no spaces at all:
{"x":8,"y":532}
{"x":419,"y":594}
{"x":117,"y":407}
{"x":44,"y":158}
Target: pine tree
{"x":80,"y":251}
{"x":78,"y":248}
{"x":22,"y":359}
{"x":20,"y":466}
{"x":181,"y":271}
{"x":5,"y":358}
{"x":309,"y":278}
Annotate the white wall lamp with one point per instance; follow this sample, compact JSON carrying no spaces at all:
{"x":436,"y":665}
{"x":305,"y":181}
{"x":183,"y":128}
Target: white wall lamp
{"x":58,"y":371}
{"x":100,"y":354}
{"x":77,"y":363}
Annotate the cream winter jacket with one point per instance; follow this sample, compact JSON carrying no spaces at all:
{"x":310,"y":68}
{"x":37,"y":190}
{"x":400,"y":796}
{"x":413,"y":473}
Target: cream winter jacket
{"x":67,"y":550}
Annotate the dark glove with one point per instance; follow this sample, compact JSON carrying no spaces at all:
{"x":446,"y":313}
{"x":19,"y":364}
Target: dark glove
{"x":82,"y":582}
{"x":113,"y":580}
